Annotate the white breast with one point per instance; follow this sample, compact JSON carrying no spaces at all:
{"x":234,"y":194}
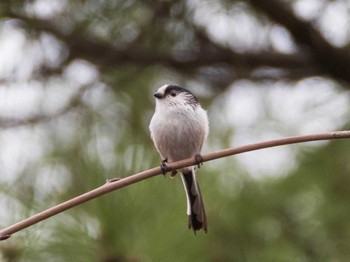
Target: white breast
{"x":179,"y":133}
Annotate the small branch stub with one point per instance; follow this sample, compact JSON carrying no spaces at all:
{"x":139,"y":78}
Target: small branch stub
{"x":4,"y":237}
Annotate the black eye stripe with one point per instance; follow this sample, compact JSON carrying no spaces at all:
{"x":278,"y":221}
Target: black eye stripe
{"x":174,"y":89}
{"x":178,"y":89}
{"x":173,"y":93}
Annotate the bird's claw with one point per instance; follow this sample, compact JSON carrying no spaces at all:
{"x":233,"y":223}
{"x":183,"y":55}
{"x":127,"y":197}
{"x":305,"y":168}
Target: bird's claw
{"x":199,"y":160}
{"x":173,"y":173}
{"x":164,"y":166}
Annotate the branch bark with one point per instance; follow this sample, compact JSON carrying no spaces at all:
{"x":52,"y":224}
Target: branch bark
{"x":112,"y":185}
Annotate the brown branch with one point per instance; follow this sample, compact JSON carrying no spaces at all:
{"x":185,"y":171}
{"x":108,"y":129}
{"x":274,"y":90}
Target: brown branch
{"x":329,"y":59}
{"x":112,"y":185}
{"x":316,"y":56}
{"x":106,"y":55}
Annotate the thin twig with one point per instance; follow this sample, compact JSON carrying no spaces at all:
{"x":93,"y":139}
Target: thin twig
{"x":120,"y":183}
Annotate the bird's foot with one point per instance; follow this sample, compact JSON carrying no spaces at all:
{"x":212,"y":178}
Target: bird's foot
{"x":173,"y":173}
{"x":199,"y":160}
{"x":164,"y":166}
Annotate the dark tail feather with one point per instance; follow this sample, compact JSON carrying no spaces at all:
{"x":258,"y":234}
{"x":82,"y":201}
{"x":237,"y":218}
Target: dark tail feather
{"x":195,"y":209}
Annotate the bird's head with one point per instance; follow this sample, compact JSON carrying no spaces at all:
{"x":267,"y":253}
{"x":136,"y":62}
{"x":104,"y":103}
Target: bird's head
{"x":172,"y":96}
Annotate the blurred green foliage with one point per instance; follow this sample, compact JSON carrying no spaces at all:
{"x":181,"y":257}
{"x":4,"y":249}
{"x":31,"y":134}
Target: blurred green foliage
{"x":299,"y":216}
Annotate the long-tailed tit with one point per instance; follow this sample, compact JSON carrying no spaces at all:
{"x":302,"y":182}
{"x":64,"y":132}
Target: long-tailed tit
{"x":178,"y":128}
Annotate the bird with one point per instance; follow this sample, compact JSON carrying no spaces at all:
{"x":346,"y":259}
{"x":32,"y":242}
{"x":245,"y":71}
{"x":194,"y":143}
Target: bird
{"x":178,"y":128}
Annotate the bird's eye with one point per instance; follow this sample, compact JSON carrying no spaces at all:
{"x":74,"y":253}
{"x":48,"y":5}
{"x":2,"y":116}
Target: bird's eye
{"x":173,"y":93}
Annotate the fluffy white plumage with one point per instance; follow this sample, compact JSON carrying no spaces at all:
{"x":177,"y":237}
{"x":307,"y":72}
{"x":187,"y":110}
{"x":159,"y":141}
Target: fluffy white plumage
{"x":178,"y":129}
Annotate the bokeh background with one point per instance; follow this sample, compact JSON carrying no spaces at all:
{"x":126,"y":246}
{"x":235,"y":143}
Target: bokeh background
{"x":76,"y":84}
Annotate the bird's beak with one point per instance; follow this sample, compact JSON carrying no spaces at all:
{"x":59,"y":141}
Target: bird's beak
{"x":157,"y":95}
